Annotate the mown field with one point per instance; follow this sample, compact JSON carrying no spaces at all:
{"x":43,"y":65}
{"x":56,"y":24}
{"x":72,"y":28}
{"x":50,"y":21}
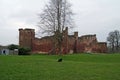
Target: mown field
{"x":73,"y":67}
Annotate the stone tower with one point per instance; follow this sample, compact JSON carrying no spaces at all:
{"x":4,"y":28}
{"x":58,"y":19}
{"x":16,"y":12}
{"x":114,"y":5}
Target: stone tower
{"x":65,"y":41}
{"x":76,"y":42}
{"x":26,"y":37}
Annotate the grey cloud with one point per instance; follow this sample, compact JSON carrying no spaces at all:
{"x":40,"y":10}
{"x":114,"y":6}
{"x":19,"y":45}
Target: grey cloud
{"x":91,"y":17}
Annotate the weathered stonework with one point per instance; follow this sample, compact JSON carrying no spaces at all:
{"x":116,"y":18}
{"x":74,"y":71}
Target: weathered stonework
{"x":70,"y":44}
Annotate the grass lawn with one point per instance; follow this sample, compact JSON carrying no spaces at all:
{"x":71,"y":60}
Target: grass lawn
{"x":73,"y":67}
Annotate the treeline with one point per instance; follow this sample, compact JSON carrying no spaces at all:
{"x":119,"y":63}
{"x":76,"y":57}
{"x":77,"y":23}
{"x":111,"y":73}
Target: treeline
{"x":113,"y":40}
{"x":21,"y":50}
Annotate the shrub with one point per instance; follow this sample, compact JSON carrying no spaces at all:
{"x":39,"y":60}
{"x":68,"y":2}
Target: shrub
{"x":24,"y":51}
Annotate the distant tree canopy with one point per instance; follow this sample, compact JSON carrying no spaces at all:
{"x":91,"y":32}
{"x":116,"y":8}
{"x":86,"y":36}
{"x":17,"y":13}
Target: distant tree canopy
{"x":56,"y":16}
{"x":13,"y":46}
{"x":22,"y":50}
{"x":114,"y":41}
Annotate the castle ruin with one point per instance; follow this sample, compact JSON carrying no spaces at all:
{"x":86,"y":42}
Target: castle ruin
{"x":70,"y":44}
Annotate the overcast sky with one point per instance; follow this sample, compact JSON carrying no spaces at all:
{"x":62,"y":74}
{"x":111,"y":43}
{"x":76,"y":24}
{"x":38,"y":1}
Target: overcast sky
{"x":91,"y":17}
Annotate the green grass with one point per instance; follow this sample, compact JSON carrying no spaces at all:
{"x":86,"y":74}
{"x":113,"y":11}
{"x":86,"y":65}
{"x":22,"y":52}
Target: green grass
{"x":73,"y":67}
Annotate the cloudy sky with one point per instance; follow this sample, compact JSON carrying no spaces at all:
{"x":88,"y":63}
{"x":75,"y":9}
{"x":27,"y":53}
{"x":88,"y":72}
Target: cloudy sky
{"x":91,"y":17}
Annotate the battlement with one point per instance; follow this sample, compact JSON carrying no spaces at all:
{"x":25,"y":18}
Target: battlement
{"x":27,"y":29}
{"x":88,"y":36}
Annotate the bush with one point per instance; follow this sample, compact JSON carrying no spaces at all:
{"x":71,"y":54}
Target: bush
{"x":24,"y":51}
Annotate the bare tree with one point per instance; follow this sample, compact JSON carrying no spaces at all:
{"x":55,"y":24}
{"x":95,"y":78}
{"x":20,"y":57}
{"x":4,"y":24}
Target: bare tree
{"x":111,"y":41}
{"x":117,"y":40}
{"x":56,"y":16}
{"x":114,"y":41}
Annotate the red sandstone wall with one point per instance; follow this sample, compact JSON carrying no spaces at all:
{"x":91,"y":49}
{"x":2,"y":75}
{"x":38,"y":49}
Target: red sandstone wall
{"x":42,"y":45}
{"x":87,"y":43}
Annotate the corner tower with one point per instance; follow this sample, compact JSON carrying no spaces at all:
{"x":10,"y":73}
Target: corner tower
{"x":26,"y":37}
